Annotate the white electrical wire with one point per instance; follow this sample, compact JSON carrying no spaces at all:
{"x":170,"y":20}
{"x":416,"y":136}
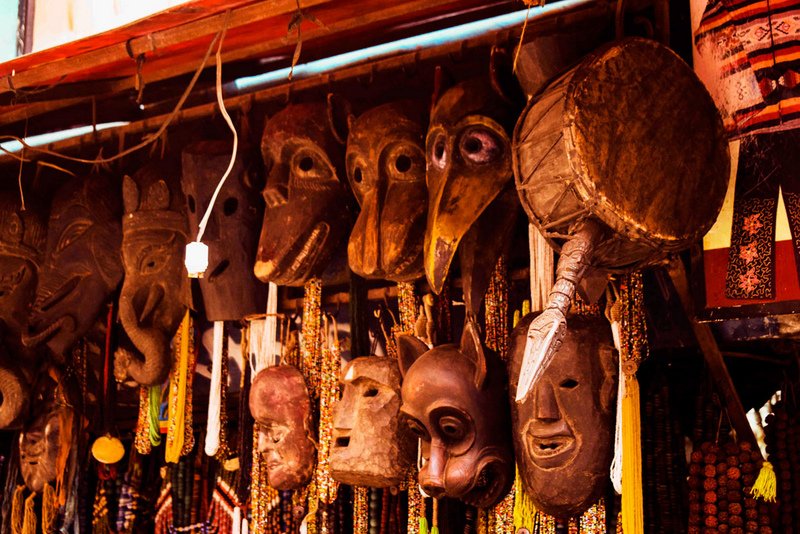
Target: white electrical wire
{"x":221,"y":102}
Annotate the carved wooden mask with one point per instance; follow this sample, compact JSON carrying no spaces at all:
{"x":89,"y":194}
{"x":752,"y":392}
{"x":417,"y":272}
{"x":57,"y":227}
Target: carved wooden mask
{"x":155,"y":292}
{"x":455,"y":401}
{"x":81,"y":267}
{"x":564,"y":429}
{"x":470,"y":186}
{"x":280,"y":405}
{"x":370,"y":447}
{"x":47,"y":438}
{"x":229,"y":287}
{"x":386,"y":170}
{"x":22,"y":240}
{"x":307,"y":211}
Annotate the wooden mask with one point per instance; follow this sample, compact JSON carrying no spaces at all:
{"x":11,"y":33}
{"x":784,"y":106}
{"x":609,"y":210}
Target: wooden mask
{"x":155,"y":292}
{"x":280,"y":405}
{"x":386,"y":170}
{"x":370,"y":447}
{"x":564,"y":430}
{"x":81,"y":267}
{"x":307,"y":212}
{"x":455,"y":402}
{"x":48,"y":437}
{"x":229,"y":287}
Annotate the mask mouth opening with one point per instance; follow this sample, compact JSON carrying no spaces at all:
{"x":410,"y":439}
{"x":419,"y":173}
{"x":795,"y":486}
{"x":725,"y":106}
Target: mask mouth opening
{"x":60,"y":294}
{"x":487,"y":485}
{"x":342,"y":441}
{"x":218,"y":270}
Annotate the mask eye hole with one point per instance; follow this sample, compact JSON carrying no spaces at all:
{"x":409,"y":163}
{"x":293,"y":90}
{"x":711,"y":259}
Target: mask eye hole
{"x":480,"y":146}
{"x":357,"y":175}
{"x":402,"y":163}
{"x":439,"y":152}
{"x":230,"y":206}
{"x":190,"y":201}
{"x":371,"y":392}
{"x":452,"y":428}
{"x":306,"y":164}
{"x":569,"y":383}
{"x":417,"y":429}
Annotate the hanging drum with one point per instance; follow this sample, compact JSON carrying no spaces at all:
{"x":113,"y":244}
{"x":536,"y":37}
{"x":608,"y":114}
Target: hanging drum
{"x":619,"y":163}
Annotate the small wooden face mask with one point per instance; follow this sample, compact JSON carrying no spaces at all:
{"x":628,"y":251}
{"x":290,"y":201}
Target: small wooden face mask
{"x":46,"y":440}
{"x":307,"y":211}
{"x":230,"y":290}
{"x":155,"y":292}
{"x":280,"y":405}
{"x":470,"y":190}
{"x":82,"y":264}
{"x":564,"y":429}
{"x":369,"y":446}
{"x":454,"y":400}
{"x":386,"y":170}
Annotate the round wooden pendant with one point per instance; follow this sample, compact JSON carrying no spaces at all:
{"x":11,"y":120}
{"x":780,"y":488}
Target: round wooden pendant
{"x":108,"y":449}
{"x":632,"y":138}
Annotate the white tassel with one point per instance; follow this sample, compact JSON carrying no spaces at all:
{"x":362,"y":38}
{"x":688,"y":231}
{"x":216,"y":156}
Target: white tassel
{"x":542,"y":268}
{"x":236,"y":527}
{"x":245,"y":526}
{"x":272,"y":356}
{"x":215,"y":391}
{"x":616,"y":463}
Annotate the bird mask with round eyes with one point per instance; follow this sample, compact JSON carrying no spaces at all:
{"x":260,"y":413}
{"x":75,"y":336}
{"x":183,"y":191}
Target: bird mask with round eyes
{"x":455,"y":401}
{"x":307,"y":212}
{"x":386,"y":170}
{"x":472,"y":204}
{"x":564,"y":429}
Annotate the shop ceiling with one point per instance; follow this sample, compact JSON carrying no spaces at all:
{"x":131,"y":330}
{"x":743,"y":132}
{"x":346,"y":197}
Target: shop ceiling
{"x":94,"y":80}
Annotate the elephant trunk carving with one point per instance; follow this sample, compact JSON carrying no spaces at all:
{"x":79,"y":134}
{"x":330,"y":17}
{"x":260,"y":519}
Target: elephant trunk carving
{"x":134,"y":312}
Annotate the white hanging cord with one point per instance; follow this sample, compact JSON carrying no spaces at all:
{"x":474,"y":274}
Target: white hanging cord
{"x":245,"y":526}
{"x":215,"y":391}
{"x":612,"y":314}
{"x":541,"y":268}
{"x":271,"y":354}
{"x":256,"y":348}
{"x":224,"y":111}
{"x":236,"y":527}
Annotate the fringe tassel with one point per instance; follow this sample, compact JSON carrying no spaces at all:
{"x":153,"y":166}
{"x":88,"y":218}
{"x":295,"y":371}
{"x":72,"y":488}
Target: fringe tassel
{"x":524,"y":510}
{"x":29,"y":521}
{"x":17,"y":510}
{"x":765,"y":486}
{"x":632,"y":505}
{"x":215,"y":391}
{"x":49,"y":509}
{"x":178,"y":395}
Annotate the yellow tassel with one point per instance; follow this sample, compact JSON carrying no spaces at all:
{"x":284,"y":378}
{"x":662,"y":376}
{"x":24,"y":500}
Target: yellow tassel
{"x":423,"y":525}
{"x":177,"y":401}
{"x":765,"y":486}
{"x":632,"y":507}
{"x":48,"y":509}
{"x":524,"y":510}
{"x":29,"y":522}
{"x":16,"y":510}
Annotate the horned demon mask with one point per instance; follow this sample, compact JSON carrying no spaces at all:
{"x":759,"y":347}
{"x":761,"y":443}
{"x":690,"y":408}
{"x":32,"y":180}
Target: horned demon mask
{"x":82,"y":263}
{"x":454,"y":401}
{"x":281,"y":407}
{"x":155,"y":292}
{"x":370,"y":447}
{"x":386,"y":170}
{"x":230,"y":290}
{"x":471,"y":197}
{"x":307,"y":211}
{"x":563,"y":430}
{"x":47,"y":439}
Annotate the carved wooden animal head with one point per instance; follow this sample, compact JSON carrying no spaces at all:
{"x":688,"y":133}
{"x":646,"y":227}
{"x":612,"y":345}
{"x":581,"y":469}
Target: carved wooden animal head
{"x":386,"y":170}
{"x":155,"y":292}
{"x":455,"y":401}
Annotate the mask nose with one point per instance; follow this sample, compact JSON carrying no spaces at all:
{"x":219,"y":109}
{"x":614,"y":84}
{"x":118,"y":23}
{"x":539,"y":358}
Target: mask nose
{"x":262,"y":442}
{"x":546,"y":405}
{"x":431,"y":476}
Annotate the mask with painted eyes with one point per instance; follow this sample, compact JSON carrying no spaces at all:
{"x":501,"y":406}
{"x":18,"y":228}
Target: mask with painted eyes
{"x":307,"y":212}
{"x":280,"y":405}
{"x":155,"y":292}
{"x":564,"y":429}
{"x":455,"y":402}
{"x":47,"y":438}
{"x":81,"y":267}
{"x":370,"y":448}
{"x":386,"y":170}
{"x":230,"y":290}
{"x":472,"y":204}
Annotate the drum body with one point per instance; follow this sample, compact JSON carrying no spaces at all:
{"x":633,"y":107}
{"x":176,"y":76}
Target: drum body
{"x":631,"y":138}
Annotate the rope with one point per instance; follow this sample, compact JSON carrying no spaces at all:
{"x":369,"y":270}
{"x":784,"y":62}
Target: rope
{"x":215,"y":391}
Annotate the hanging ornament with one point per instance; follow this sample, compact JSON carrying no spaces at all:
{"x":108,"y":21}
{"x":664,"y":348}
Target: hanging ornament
{"x":180,"y":437}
